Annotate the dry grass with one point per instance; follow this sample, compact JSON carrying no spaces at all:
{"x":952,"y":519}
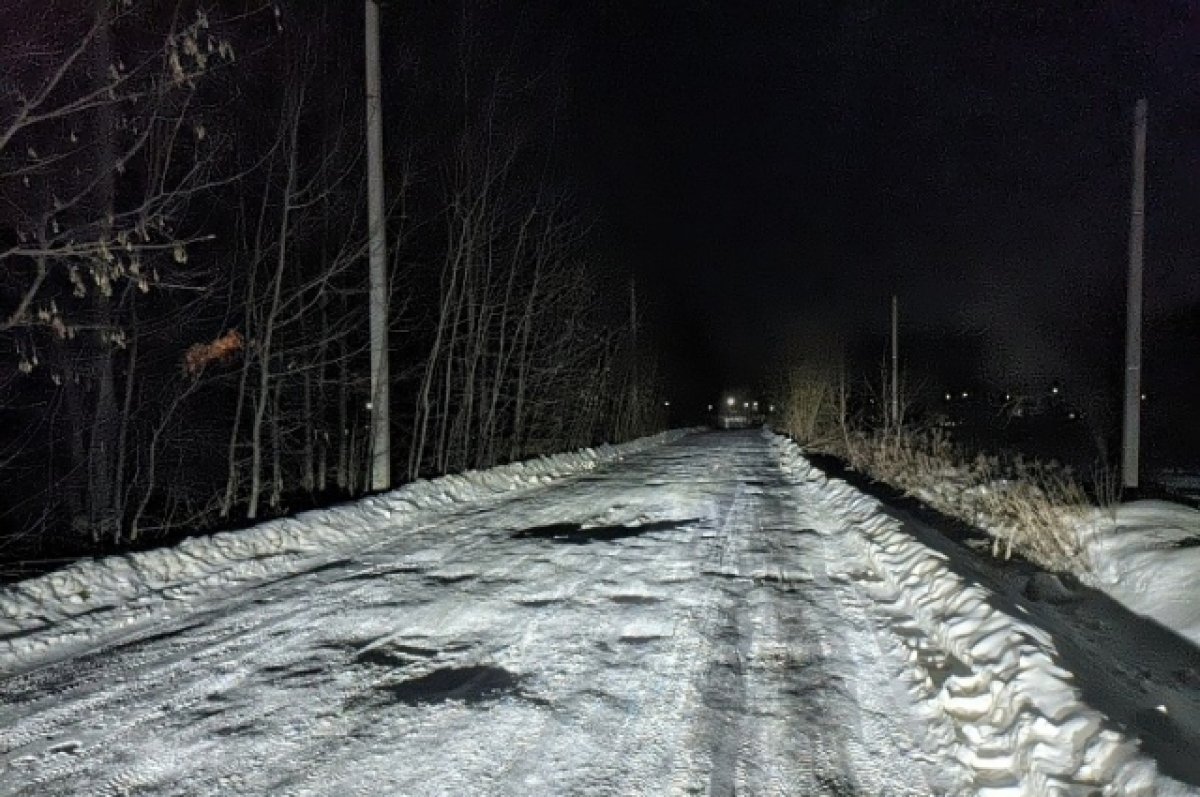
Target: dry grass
{"x":1036,"y":509}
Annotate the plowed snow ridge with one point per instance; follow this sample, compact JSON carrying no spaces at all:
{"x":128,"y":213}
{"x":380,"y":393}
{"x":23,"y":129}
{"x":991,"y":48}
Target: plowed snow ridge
{"x":1015,"y":717}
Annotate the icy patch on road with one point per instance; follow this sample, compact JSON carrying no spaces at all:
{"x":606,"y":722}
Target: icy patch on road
{"x":1011,"y":714}
{"x":75,"y":605}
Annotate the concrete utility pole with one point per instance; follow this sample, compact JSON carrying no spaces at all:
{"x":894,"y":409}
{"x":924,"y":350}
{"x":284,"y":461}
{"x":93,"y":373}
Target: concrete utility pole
{"x":381,"y":438}
{"x":895,"y":362}
{"x":633,"y":348}
{"x":1131,"y":431}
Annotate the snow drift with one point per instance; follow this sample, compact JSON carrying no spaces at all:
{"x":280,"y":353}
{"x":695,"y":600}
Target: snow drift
{"x":1146,"y":554}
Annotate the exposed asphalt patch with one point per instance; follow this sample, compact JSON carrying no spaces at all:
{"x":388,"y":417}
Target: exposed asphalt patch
{"x":577,"y":534}
{"x":473,"y":684}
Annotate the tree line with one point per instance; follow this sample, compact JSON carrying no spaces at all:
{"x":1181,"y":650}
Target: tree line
{"x":183,"y":282}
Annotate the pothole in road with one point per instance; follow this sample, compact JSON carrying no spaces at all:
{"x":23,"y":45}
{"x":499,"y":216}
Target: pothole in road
{"x":635,"y":600}
{"x":578,"y":534}
{"x":237,"y":729}
{"x":536,"y":603}
{"x":640,"y":639}
{"x":450,"y":578}
{"x":472,"y":684}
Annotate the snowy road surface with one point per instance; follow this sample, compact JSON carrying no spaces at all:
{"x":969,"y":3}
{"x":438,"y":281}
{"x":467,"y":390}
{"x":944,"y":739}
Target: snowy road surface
{"x":695,"y":619}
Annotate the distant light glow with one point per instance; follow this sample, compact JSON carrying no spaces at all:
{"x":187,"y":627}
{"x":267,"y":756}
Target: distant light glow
{"x":666,"y":403}
{"x":745,"y":405}
{"x":965,"y":394}
{"x":948,"y":397}
{"x":731,"y":401}
{"x":710,"y":408}
{"x":1054,"y":390}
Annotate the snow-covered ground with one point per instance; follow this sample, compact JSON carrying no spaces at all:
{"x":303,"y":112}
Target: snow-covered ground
{"x":1146,"y":554}
{"x":709,"y":615}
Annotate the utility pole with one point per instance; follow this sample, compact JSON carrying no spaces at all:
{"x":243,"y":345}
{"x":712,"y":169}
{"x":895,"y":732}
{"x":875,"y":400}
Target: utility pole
{"x":381,"y":439}
{"x":895,"y":362}
{"x":633,"y":349}
{"x":1131,"y":431}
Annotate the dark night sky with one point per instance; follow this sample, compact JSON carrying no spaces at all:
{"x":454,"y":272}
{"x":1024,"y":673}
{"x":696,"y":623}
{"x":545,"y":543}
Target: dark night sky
{"x":772,"y":168}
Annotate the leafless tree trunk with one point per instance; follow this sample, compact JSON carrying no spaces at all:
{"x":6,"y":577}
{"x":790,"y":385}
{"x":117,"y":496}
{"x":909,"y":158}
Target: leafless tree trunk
{"x":264,"y":353}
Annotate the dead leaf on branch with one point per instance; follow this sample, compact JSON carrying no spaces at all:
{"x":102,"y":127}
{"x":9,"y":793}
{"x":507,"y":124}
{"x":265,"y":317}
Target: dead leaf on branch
{"x":221,"y":350}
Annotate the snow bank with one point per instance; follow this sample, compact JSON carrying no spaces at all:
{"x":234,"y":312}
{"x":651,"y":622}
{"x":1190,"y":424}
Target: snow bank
{"x":1013,"y":715}
{"x":1146,"y":555}
{"x":74,"y":605}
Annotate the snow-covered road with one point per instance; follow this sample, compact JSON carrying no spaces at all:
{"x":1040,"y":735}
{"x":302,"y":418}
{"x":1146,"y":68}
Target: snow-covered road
{"x":693,"y":637}
{"x":695,"y":619}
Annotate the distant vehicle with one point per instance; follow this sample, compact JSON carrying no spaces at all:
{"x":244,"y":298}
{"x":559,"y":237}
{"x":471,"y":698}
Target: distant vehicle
{"x":738,"y":412}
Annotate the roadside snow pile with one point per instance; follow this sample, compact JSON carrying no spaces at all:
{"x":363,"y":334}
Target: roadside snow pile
{"x":79,"y":602}
{"x":1147,"y":556}
{"x":1002,"y":705}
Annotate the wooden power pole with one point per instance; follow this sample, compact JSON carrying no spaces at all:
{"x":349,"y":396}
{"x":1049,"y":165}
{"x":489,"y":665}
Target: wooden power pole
{"x":381,"y":439}
{"x":1131,"y":429}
